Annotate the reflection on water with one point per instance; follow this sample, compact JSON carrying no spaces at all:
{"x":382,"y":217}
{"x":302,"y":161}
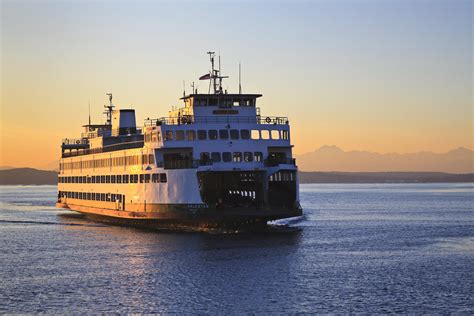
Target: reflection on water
{"x":358,"y":248}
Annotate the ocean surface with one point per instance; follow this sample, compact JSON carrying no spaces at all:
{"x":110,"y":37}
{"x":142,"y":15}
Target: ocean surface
{"x":404,"y":248}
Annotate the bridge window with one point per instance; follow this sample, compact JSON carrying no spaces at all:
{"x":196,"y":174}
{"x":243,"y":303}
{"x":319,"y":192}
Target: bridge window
{"x":223,"y":134}
{"x":202,"y":134}
{"x":213,"y":102}
{"x":255,"y":134}
{"x":179,"y":135}
{"x":234,"y":134}
{"x":249,"y":102}
{"x":212,"y":134}
{"x":190,"y":135}
{"x":258,"y":156}
{"x":226,"y":156}
{"x":200,"y":102}
{"x":275,"y":134}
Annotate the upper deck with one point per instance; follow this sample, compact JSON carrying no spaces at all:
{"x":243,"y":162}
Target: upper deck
{"x":200,"y":112}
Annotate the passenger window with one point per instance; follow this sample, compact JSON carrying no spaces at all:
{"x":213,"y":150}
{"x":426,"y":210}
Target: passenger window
{"x":169,"y":135}
{"x":190,"y":135}
{"x":244,"y":134}
{"x":265,"y":134}
{"x":255,"y":134}
{"x":223,"y":134}
{"x":248,"y":157}
{"x":125,"y":178}
{"x":216,"y":157}
{"x":179,"y":135}
{"x":237,"y":157}
{"x":212,"y":102}
{"x":234,"y":134}
{"x":258,"y":156}
{"x":155,"y":178}
{"x":275,"y":134}
{"x":226,"y":156}
{"x":212,"y":134}
{"x":205,"y":157}
{"x":147,"y":178}
{"x":119,"y":179}
{"x":107,"y":179}
{"x":112,"y":179}
{"x":202,"y":134}
{"x":163,"y":177}
{"x":142,"y":178}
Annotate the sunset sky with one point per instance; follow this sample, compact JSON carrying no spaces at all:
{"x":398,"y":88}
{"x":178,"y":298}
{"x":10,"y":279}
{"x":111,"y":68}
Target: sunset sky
{"x":385,"y":76}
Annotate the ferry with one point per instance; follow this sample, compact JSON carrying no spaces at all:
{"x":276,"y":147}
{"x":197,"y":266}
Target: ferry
{"x":215,"y":161}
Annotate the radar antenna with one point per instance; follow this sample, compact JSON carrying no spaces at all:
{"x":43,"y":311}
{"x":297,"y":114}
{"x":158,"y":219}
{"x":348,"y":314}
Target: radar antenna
{"x":214,"y":76}
{"x":109,"y":110}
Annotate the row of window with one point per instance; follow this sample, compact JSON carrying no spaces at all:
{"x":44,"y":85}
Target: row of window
{"x":283,"y":175}
{"x":130,"y":160}
{"x":214,"y":134}
{"x":223,"y":102}
{"x":246,"y":156}
{"x":106,"y":197}
{"x":125,"y":178}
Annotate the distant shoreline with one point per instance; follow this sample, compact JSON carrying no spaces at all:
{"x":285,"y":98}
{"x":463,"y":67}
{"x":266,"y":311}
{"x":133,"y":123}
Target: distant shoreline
{"x":31,"y":176}
{"x":384,"y":177}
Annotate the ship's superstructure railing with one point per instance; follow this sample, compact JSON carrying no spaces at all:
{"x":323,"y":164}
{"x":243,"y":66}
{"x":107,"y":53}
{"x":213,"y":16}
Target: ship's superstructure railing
{"x":190,"y":119}
{"x":75,"y":141}
{"x":104,"y":149}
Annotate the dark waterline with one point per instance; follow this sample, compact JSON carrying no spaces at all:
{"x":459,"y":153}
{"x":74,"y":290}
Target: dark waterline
{"x":359,"y":248}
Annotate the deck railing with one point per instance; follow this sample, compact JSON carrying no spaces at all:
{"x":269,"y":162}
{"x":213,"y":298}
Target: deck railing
{"x":191,"y":119}
{"x":109,"y":148}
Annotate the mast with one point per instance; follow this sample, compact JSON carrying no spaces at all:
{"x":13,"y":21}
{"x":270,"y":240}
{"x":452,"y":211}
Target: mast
{"x":109,"y":109}
{"x":214,"y":76}
{"x":240,"y":81}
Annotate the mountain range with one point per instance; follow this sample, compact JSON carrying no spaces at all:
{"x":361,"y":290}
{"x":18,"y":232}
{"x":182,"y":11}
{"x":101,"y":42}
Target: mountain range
{"x":333,"y":158}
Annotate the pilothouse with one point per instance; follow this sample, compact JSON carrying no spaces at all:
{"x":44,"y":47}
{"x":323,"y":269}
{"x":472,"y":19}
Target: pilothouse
{"x":215,"y":161}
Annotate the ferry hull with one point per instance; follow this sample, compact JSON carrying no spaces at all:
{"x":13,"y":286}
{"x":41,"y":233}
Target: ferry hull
{"x":182,"y":216}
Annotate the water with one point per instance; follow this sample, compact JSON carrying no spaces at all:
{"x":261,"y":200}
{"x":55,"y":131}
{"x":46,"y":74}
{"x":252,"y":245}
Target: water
{"x":405,"y":248}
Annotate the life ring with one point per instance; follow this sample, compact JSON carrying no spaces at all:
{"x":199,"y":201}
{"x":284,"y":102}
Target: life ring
{"x":78,"y":141}
{"x":268,"y":120}
{"x":184,"y":120}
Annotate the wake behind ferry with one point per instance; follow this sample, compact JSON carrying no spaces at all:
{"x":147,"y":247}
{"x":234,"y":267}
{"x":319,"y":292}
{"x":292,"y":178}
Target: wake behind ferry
{"x":213,"y":162}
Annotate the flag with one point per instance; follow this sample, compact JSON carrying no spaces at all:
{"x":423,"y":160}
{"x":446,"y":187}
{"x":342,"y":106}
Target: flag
{"x":205,"y":77}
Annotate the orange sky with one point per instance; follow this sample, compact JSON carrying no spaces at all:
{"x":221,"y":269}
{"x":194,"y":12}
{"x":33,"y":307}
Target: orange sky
{"x":360,"y":75}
